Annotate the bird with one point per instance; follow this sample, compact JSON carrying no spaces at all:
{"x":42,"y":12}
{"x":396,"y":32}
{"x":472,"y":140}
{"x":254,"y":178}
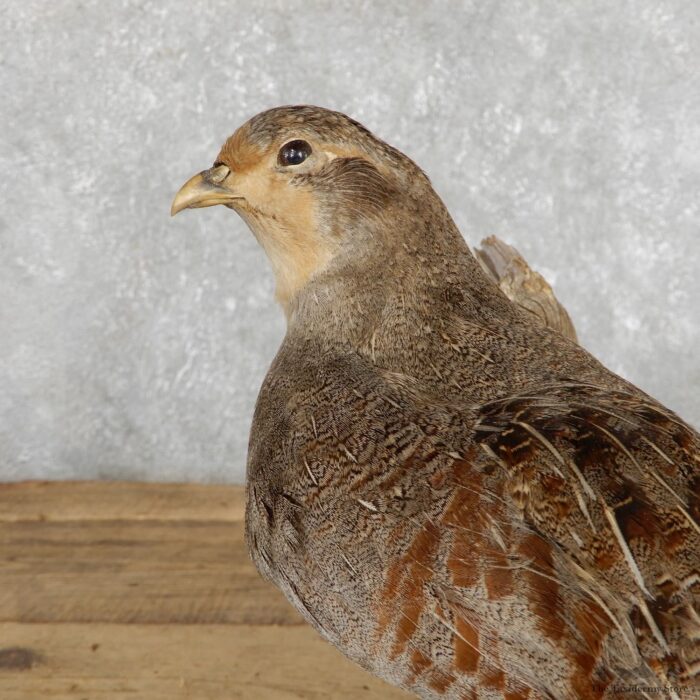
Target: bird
{"x":459,"y":497}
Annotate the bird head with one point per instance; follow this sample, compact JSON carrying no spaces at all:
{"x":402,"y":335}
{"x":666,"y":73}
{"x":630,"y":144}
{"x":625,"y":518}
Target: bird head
{"x":312,"y":185}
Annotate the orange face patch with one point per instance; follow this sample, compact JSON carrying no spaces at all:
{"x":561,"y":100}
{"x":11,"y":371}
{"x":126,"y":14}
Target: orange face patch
{"x":282,"y":216}
{"x":239,"y":153}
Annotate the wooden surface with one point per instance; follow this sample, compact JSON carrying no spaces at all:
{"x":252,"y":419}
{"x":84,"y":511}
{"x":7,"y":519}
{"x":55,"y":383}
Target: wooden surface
{"x":144,"y":591}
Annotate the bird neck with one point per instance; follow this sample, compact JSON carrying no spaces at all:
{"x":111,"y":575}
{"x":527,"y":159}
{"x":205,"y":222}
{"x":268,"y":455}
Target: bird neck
{"x":413,"y":266}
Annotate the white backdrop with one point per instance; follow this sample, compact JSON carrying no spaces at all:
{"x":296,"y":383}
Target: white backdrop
{"x":132,"y":345}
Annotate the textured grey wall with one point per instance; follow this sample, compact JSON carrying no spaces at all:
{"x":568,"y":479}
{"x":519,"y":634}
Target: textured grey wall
{"x":132,"y":345}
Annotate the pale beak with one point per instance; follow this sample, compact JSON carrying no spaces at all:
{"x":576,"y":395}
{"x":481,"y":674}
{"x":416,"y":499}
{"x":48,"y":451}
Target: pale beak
{"x":205,"y":190}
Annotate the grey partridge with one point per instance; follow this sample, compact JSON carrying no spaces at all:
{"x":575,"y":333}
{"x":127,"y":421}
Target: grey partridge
{"x":460,"y":498}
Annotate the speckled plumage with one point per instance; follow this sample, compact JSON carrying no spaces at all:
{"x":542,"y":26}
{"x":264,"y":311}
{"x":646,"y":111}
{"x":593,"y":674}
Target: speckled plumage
{"x":462,"y":500}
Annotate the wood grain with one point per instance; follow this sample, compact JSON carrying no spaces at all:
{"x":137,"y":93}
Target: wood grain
{"x":112,"y":500}
{"x":164,"y":662}
{"x":121,"y":590}
{"x":144,"y":553}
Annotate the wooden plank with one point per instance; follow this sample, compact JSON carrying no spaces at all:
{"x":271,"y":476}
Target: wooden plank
{"x":178,"y":662}
{"x":170,"y":604}
{"x":85,"y":552}
{"x":114,"y":500}
{"x":148,"y":571}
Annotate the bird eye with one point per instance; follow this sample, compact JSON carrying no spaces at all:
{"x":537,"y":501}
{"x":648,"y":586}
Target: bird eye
{"x":294,"y":152}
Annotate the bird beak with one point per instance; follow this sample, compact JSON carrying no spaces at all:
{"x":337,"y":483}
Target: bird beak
{"x":205,"y":190}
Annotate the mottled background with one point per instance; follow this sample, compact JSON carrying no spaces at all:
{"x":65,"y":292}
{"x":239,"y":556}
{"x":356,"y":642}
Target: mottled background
{"x":133,"y":345}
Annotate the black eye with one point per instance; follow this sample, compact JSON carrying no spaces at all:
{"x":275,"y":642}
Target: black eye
{"x":294,"y":152}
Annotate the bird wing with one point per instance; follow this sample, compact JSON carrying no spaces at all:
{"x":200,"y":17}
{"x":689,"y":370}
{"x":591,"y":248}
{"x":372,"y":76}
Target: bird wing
{"x":567,"y":551}
{"x":540,"y":545}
